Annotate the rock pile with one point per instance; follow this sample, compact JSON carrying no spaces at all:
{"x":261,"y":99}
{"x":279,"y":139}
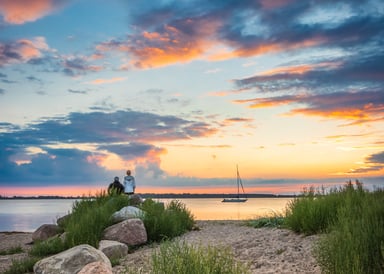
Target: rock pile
{"x":85,"y":259}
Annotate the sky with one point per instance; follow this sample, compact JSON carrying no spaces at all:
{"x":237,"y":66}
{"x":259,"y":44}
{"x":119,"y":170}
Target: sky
{"x":182,"y":92}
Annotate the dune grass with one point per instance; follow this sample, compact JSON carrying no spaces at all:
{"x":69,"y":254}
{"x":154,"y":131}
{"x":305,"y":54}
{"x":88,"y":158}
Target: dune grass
{"x":181,"y":258}
{"x":352,"y":219}
{"x":91,"y":215}
{"x":166,"y":221}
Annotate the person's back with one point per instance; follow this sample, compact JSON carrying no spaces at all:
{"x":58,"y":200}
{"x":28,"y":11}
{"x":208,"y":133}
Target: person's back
{"x":129,"y":183}
{"x":115,"y":187}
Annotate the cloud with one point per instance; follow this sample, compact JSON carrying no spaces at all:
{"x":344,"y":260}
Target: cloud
{"x":177,"y":32}
{"x":78,"y":65}
{"x":77,"y":91}
{"x":16,"y":11}
{"x":22,"y":50}
{"x":72,"y":149}
{"x":107,"y":81}
{"x":359,"y":106}
{"x":373,"y":163}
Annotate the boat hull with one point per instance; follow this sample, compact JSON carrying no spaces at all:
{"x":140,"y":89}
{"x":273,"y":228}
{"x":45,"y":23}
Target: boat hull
{"x":234,"y":200}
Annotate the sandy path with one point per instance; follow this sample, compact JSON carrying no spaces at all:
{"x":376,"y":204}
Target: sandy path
{"x":266,"y":250}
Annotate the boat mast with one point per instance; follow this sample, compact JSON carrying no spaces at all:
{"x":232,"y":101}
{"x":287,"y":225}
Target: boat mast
{"x":238,"y":181}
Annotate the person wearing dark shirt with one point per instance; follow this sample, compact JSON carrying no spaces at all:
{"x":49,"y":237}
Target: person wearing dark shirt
{"x":115,"y":187}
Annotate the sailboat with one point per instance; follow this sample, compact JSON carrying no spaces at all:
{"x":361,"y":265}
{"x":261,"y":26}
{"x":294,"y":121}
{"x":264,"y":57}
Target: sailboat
{"x":237,"y":199}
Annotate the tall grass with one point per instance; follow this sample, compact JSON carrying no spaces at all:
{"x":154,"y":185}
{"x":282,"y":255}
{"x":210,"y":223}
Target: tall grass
{"x":181,"y":258}
{"x":91,"y":215}
{"x":166,"y":221}
{"x":354,"y":221}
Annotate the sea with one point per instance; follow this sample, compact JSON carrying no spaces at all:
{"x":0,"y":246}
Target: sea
{"x":26,"y":215}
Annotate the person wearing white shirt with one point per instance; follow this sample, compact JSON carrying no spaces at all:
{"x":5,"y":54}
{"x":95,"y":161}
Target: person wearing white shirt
{"x":129,"y":183}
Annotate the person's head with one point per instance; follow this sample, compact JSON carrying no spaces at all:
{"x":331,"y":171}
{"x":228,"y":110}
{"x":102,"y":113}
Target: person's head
{"x":116,"y":179}
{"x":128,"y":172}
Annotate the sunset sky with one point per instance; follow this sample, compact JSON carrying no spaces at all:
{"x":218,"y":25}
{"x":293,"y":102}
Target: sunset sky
{"x":181,"y":92}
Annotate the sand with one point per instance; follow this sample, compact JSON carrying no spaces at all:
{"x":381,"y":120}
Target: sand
{"x":265,"y":250}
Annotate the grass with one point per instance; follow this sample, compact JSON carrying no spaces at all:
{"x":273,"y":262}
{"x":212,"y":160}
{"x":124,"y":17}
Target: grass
{"x":276,"y":221}
{"x":181,"y":258}
{"x":166,"y":221}
{"x":90,"y":216}
{"x":352,"y":219}
{"x":22,"y":266}
{"x":11,"y":251}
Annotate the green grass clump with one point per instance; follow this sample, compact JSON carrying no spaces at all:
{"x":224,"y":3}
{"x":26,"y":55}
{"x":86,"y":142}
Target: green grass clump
{"x":313,"y":211}
{"x":22,"y":266}
{"x":11,"y":251}
{"x":89,"y":218}
{"x":274,"y":221}
{"x":353,"y":219}
{"x":355,"y":243}
{"x":181,"y":258}
{"x":166,"y":221}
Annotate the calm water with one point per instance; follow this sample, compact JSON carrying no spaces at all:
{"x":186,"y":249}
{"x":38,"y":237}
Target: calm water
{"x":28,"y":215}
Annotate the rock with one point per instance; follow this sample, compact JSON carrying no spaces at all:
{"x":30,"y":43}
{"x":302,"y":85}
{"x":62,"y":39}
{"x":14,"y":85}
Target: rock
{"x":62,"y":220}
{"x":131,"y":232}
{"x":128,"y":212}
{"x":70,"y":261}
{"x":135,"y":199}
{"x":113,"y":249}
{"x":46,"y":231}
{"x":96,"y":268}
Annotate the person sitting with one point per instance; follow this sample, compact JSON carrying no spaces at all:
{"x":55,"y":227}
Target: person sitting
{"x":115,"y":187}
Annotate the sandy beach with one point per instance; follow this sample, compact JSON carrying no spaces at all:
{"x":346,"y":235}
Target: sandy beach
{"x":265,"y":250}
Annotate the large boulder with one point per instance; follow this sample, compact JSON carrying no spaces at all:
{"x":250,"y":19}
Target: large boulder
{"x":70,"y":261}
{"x":46,"y":231}
{"x":131,"y":232}
{"x":96,"y":268}
{"x":128,"y":212}
{"x":113,"y":249}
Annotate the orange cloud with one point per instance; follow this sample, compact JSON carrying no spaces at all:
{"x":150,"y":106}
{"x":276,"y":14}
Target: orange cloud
{"x":22,"y":50}
{"x":170,"y":44}
{"x":21,"y":11}
{"x":107,"y":81}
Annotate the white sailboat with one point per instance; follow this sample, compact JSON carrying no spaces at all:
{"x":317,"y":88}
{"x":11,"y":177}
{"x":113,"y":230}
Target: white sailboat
{"x":237,"y":199}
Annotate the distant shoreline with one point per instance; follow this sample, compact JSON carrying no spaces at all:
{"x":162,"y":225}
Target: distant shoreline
{"x":159,"y":196}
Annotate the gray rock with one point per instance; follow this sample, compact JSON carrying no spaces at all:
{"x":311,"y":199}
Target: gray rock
{"x":62,"y":220}
{"x":131,"y":232}
{"x":46,"y":231}
{"x":70,"y":261}
{"x":96,"y":268}
{"x":135,"y":199}
{"x":128,"y":212}
{"x":113,"y":249}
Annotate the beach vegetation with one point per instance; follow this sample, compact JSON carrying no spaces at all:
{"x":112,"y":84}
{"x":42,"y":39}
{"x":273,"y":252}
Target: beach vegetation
{"x":166,"y":221}
{"x":11,"y":251}
{"x":22,"y":266}
{"x":352,"y":220}
{"x":91,"y":215}
{"x":182,"y":258}
{"x":276,"y":221}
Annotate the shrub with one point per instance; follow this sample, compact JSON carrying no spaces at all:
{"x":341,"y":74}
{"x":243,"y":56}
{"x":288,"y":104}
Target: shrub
{"x":165,"y":222}
{"x":354,"y":221}
{"x":89,"y":218}
{"x":356,"y":240}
